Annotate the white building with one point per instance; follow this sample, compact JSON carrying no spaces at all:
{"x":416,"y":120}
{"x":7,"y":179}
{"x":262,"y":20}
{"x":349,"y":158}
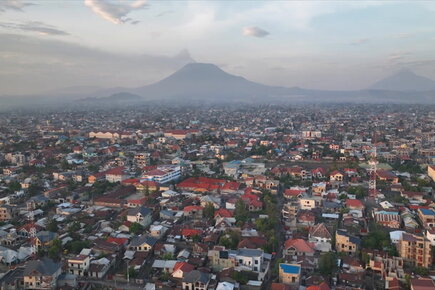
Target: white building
{"x":163,"y":174}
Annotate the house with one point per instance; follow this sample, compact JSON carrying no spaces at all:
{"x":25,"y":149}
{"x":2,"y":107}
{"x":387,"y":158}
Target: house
{"x":44,"y":238}
{"x":79,"y":265}
{"x":196,"y":280}
{"x":117,"y":174}
{"x":346,"y":243}
{"x":298,"y":247}
{"x":100,"y":267}
{"x":388,"y":176}
{"x":321,"y":237}
{"x":193,"y":211}
{"x":41,"y":274}
{"x":309,"y":203}
{"x":251,"y":259}
{"x":189,"y":234}
{"x":142,"y":243}
{"x":252,"y":202}
{"x":220,"y":258}
{"x":289,"y":274}
{"x":140,"y":215}
{"x":354,"y":204}
{"x":181,"y":269}
{"x":8,"y":212}
{"x":336,"y":176}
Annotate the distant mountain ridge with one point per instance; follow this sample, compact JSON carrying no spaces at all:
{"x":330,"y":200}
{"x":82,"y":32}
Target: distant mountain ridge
{"x":207,"y":83}
{"x":405,"y":80}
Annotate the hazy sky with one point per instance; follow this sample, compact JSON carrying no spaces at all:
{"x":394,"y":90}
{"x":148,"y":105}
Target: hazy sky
{"x":47,"y":45}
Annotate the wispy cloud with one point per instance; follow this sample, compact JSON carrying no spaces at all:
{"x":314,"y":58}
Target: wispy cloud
{"x":16,"y":5}
{"x":403,"y":35}
{"x":115,"y":12}
{"x":34,"y":26}
{"x":254,"y":31}
{"x":360,"y":41}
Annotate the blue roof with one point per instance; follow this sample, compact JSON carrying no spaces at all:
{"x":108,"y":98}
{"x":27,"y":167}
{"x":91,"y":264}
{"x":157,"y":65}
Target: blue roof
{"x":290,"y":269}
{"x":427,"y":211}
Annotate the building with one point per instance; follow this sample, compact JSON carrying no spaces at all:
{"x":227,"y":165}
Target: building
{"x":415,"y":249}
{"x":289,"y":273}
{"x":8,"y":212}
{"x":427,"y":217}
{"x":422,"y":284}
{"x":321,"y":237}
{"x":140,"y":215}
{"x":142,"y":243}
{"x":346,"y":243}
{"x":163,"y":174}
{"x":389,"y":219}
{"x":116,"y":174}
{"x":431,"y":172}
{"x":196,"y":280}
{"x":41,"y":274}
{"x":298,"y":247}
{"x":251,"y":259}
{"x":79,"y":265}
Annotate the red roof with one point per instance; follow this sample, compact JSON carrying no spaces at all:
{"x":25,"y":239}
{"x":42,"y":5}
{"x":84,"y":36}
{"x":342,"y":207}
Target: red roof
{"x":156,"y":172}
{"x":193,"y":208}
{"x":300,"y":245}
{"x":130,"y":181}
{"x":354,"y":203}
{"x":190,"y":232}
{"x":223,"y":212}
{"x":184,"y":267}
{"x":293,"y":192}
{"x":322,"y":286}
{"x":116,"y":171}
{"x":335,"y":172}
{"x":119,"y":241}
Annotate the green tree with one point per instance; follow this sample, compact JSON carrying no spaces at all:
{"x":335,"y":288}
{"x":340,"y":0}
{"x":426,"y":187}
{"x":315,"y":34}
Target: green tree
{"x":52,"y":226}
{"x":241,"y":213}
{"x":209,"y":210}
{"x":136,"y":228}
{"x":327,"y":263}
{"x":14,"y":186}
{"x":55,"y":250}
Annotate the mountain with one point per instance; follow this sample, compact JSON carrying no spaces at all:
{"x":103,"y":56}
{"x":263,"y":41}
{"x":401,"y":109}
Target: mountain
{"x":406,"y":81}
{"x":208,"y":82}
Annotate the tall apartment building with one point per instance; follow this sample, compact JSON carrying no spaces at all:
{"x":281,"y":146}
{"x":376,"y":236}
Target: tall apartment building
{"x":415,"y":249}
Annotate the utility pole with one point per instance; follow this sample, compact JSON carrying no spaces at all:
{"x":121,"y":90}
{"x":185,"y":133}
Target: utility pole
{"x":128,"y":273}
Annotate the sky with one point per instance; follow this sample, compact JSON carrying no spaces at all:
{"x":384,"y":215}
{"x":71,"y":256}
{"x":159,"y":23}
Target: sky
{"x":49,"y":45}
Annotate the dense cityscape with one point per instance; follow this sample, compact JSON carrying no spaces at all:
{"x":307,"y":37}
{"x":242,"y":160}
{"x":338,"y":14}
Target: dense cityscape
{"x":218,"y":197}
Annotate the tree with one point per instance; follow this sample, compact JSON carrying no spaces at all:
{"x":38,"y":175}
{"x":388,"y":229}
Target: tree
{"x":77,"y":246}
{"x":132,"y":273}
{"x":209,"y":210}
{"x":74,"y":227}
{"x":52,"y":226}
{"x":14,"y":186}
{"x":327,"y":263}
{"x":55,"y":250}
{"x":136,"y":228}
{"x":241,"y":213}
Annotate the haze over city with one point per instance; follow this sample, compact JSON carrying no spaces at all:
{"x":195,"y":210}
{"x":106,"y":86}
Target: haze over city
{"x":88,"y":45}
